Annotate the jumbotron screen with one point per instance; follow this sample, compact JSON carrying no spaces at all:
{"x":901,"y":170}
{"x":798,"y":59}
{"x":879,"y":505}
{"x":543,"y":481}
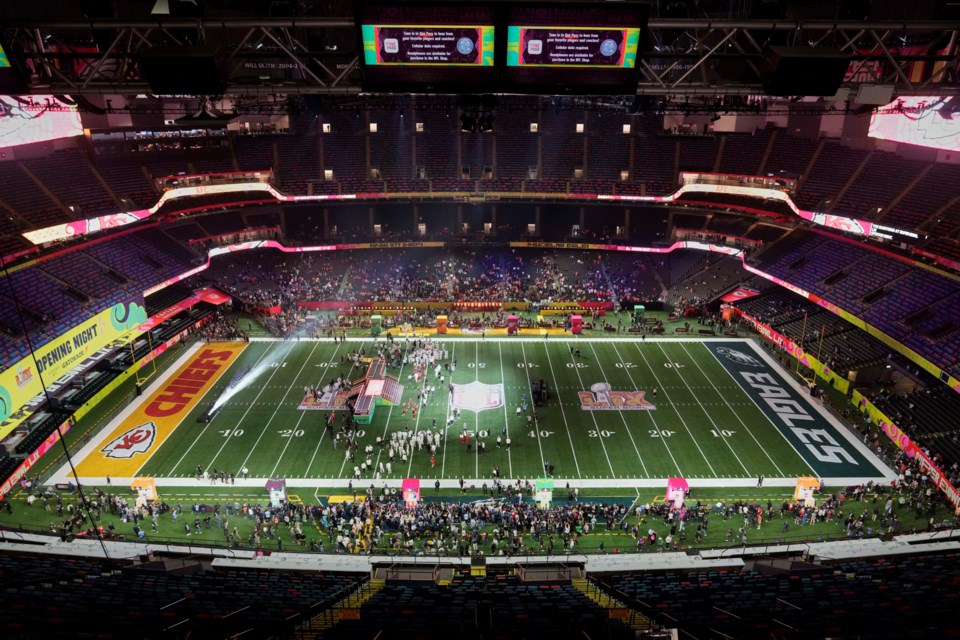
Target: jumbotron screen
{"x":29,"y":119}
{"x":427,"y":46}
{"x":596,"y":47}
{"x":573,"y":48}
{"x":925,"y":121}
{"x":458,"y":45}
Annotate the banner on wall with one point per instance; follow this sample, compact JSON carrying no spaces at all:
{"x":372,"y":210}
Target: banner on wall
{"x":21,"y":382}
{"x":905,"y":444}
{"x":796,"y":351}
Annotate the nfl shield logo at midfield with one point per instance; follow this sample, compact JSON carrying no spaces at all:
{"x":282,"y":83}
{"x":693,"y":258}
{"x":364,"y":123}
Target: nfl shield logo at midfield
{"x":477,"y":396}
{"x":139,"y":439}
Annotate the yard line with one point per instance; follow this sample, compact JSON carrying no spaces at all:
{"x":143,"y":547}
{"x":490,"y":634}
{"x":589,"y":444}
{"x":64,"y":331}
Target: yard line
{"x":536,"y":421}
{"x":564,"y":414}
{"x":446,"y":418}
{"x":592,"y":416}
{"x":655,"y":425}
{"x":679,"y":415}
{"x":769,"y":419}
{"x":707,"y":413}
{"x":506,"y":419}
{"x":386,"y":425}
{"x":416,"y":425}
{"x":304,"y":413}
{"x":272,"y":416}
{"x":622,"y":418}
{"x":762,"y":448}
{"x":320,"y":441}
{"x":207,"y":426}
{"x":476,"y":414}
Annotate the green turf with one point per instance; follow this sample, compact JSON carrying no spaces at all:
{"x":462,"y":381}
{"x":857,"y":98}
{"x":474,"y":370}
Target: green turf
{"x":704,"y":425}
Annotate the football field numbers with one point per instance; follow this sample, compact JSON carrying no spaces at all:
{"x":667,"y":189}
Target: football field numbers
{"x":603,"y":433}
{"x":280,"y":365}
{"x":290,"y":433}
{"x":226,"y":433}
{"x":674,"y":365}
{"x":476,"y":365}
{"x":543,"y":433}
{"x":527,"y":365}
{"x":660,"y":433}
{"x":577,"y":365}
{"x":721,"y":433}
{"x":828,"y":453}
{"x":626,"y":365}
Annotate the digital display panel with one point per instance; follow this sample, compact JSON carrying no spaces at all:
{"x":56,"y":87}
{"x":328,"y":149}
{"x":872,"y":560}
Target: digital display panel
{"x":572,"y":47}
{"x":924,"y":121}
{"x":428,"y":45}
{"x":546,"y":41}
{"x":28,"y":119}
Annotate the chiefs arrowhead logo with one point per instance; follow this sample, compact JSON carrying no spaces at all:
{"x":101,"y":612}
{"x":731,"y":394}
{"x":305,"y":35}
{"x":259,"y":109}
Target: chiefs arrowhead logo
{"x":137,"y":440}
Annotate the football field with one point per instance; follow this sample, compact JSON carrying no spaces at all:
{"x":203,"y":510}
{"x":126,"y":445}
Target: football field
{"x":618,"y":413}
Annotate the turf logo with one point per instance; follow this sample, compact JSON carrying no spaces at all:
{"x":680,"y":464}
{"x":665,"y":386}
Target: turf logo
{"x":477,"y":396}
{"x":602,"y":398}
{"x":739,"y":357}
{"x":139,"y":439}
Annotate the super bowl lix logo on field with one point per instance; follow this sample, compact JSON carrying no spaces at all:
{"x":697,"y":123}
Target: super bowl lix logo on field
{"x":602,"y":398}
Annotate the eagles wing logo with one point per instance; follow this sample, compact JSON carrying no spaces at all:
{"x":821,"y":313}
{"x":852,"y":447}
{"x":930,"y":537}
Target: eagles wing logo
{"x":136,"y":440}
{"x":739,"y":357}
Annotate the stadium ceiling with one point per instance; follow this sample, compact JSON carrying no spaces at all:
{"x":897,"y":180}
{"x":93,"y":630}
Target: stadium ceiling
{"x":318,"y":55}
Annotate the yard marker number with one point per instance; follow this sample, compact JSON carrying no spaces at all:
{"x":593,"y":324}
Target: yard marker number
{"x":543,"y":433}
{"x":626,"y":365}
{"x":477,"y":365}
{"x":674,"y":365}
{"x":226,"y":433}
{"x":290,"y":433}
{"x":660,"y":433}
{"x":578,"y":365}
{"x":722,"y":433}
{"x":527,"y":365}
{"x":593,"y":433}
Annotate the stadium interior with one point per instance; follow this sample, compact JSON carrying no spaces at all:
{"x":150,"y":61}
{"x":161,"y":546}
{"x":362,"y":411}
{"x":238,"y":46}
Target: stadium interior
{"x":210,"y":209}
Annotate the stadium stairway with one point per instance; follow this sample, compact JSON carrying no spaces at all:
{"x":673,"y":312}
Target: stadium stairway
{"x":614,"y":608}
{"x":346,"y":609}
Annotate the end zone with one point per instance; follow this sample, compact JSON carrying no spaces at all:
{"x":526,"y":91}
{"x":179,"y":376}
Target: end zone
{"x":134,"y":436}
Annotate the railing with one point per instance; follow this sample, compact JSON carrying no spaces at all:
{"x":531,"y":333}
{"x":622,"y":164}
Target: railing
{"x":529,"y":555}
{"x":634,"y":618}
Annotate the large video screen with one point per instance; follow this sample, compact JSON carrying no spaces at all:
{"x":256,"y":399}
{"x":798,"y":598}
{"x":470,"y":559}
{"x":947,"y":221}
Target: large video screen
{"x":427,"y":46}
{"x":28,"y":119}
{"x":573,"y":48}
{"x":923,"y":121}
